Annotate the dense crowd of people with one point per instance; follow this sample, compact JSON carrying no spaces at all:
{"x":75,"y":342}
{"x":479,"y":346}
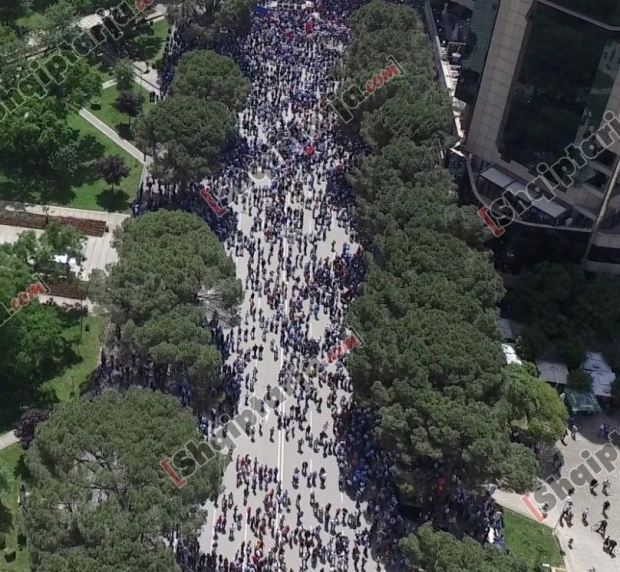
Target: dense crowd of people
{"x":285,"y":210}
{"x":289,"y":215}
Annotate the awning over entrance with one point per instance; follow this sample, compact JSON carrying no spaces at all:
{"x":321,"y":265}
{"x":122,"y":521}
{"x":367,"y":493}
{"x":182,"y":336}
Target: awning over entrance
{"x":554,"y":210}
{"x":582,"y":401}
{"x":496,"y":176}
{"x":517,"y":189}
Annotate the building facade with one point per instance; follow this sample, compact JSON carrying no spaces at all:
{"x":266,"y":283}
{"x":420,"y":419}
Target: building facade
{"x":541,"y":92}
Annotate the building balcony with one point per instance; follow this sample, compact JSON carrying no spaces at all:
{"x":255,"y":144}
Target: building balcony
{"x":491,"y":183}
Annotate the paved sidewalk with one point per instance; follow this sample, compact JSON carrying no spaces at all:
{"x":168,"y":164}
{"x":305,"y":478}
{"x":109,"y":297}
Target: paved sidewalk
{"x":149,"y":80}
{"x":587,"y":546}
{"x":97,"y":250}
{"x":111,"y":134}
{"x":8,"y":440}
{"x":138,"y":79}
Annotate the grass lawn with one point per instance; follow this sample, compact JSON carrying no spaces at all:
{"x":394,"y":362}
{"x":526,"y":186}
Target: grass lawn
{"x":85,"y":189}
{"x":69,"y":374}
{"x":101,"y":65}
{"x":94,"y":193}
{"x":31,"y":21}
{"x":83,"y":357}
{"x":149,"y":42}
{"x":107,"y":112}
{"x":533,"y":542}
{"x":10,"y":462}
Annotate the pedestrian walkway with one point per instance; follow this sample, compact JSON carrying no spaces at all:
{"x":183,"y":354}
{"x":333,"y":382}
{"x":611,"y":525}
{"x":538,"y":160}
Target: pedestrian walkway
{"x":113,"y":135}
{"x":147,"y":85}
{"x":586,"y":549}
{"x":286,"y":505}
{"x":8,"y":440}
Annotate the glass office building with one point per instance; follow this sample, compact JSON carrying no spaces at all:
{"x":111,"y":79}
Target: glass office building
{"x":538,"y":76}
{"x":567,"y":71}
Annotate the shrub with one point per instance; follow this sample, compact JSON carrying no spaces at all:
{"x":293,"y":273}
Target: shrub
{"x":580,"y":380}
{"x":572,"y":351}
{"x":612,"y":355}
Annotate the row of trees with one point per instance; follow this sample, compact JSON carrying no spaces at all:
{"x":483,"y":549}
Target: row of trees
{"x":209,"y":21}
{"x":432,"y":364}
{"x":189,"y":130}
{"x":97,"y":496}
{"x":170,"y":265}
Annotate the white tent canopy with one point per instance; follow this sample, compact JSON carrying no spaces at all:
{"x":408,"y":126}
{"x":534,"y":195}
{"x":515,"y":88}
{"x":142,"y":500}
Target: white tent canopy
{"x":595,"y":365}
{"x":511,"y":354}
{"x":601,"y":373}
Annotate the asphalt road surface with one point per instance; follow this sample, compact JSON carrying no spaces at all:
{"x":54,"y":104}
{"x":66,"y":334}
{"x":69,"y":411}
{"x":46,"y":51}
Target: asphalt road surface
{"x":282,"y":452}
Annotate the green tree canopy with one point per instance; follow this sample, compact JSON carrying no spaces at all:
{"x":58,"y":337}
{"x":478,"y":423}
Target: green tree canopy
{"x":13,"y":9}
{"x":432,"y":364}
{"x":13,"y":53}
{"x":436,"y":551}
{"x":124,"y":75}
{"x":190,"y":135}
{"x":98,"y":497}
{"x":210,"y":21}
{"x":211,"y":76}
{"x":58,"y":24}
{"x":38,"y":253}
{"x":29,"y":338}
{"x":580,"y":380}
{"x":170,"y":263}
{"x":535,"y":405}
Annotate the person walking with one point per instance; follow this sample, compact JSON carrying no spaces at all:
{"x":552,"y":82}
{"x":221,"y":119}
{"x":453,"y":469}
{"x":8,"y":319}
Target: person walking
{"x":606,"y":484}
{"x":584,"y":516}
{"x":601,"y":527}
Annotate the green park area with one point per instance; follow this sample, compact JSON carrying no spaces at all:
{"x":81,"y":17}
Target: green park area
{"x":85,"y":189}
{"x":69,"y":377}
{"x":532,"y":542}
{"x":104,"y":108}
{"x":82,"y":356}
{"x":149,"y":41}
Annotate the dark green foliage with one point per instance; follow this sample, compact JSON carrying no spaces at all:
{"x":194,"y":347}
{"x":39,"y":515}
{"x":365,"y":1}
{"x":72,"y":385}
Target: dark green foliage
{"x":211,"y":76}
{"x":95,"y":470}
{"x":437,"y":551}
{"x":580,"y":380}
{"x":170,"y":262}
{"x":432,"y":363}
